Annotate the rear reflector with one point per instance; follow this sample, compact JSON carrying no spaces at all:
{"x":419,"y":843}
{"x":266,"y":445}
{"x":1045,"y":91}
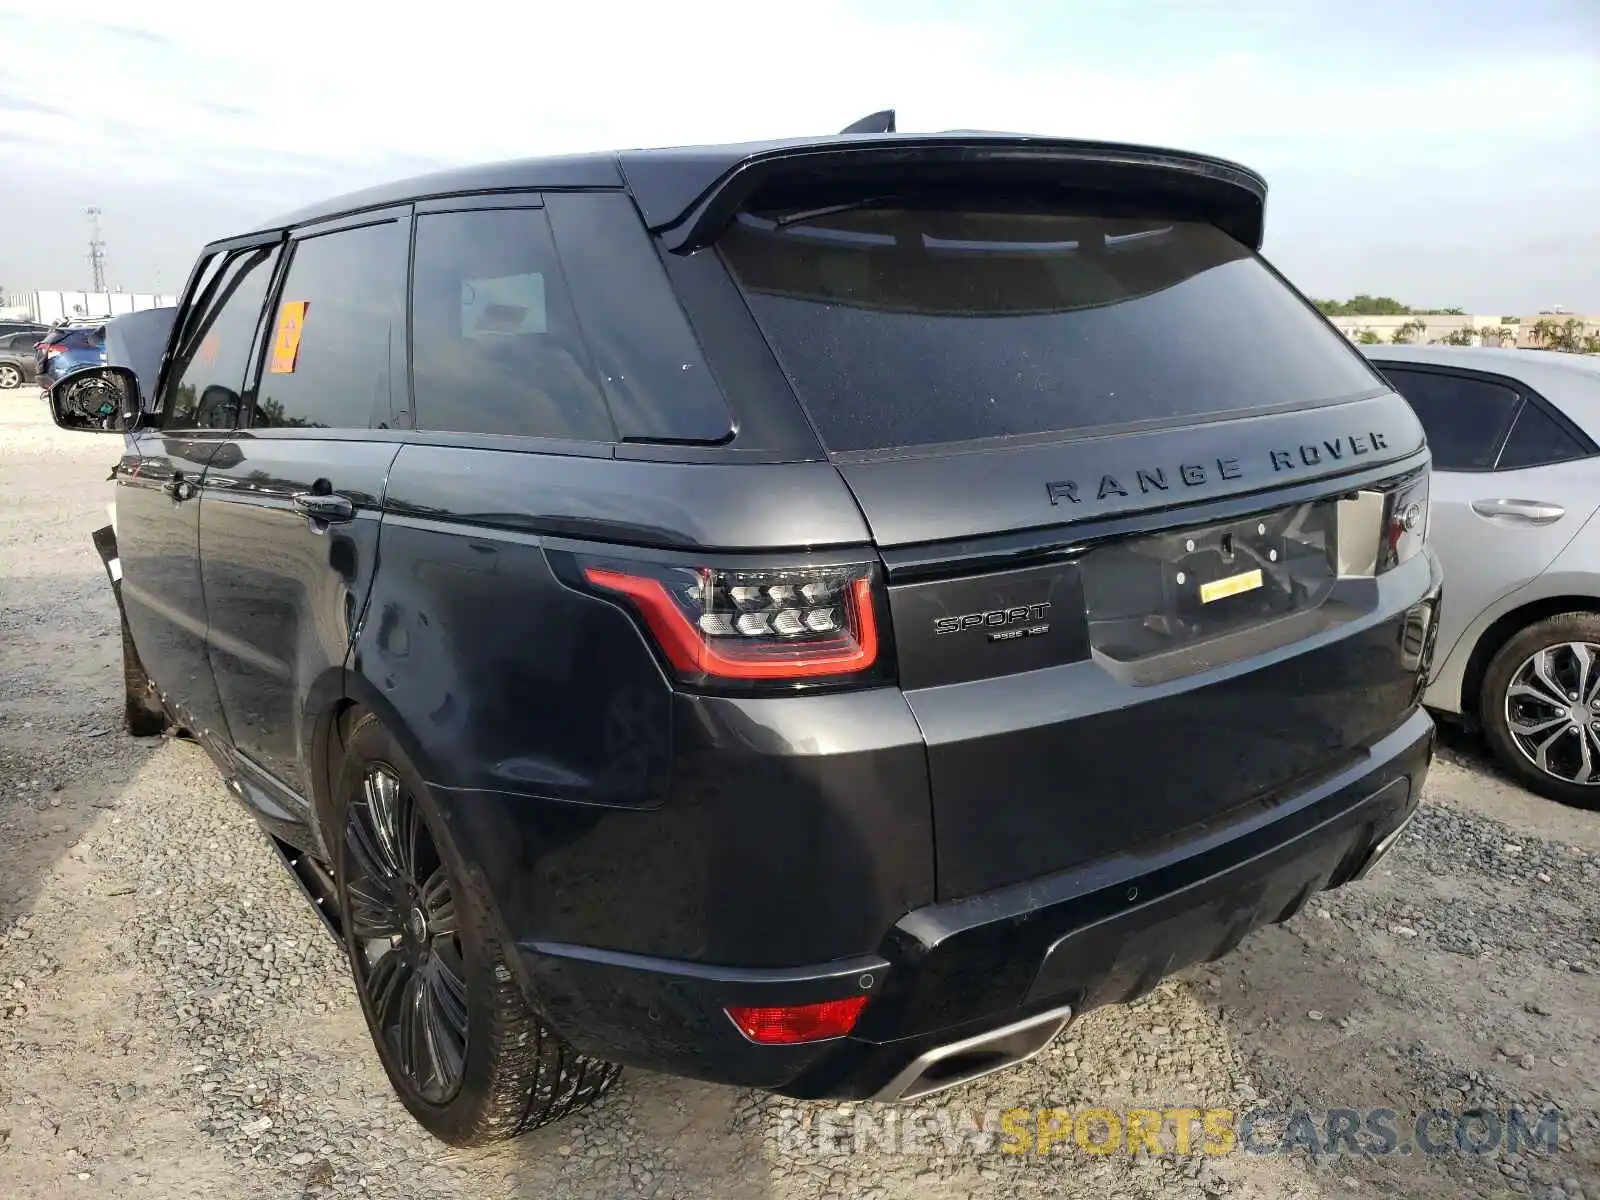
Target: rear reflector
{"x":798,"y":1022}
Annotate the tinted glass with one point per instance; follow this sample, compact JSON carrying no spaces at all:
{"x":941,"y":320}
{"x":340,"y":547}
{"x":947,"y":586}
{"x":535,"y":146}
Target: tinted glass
{"x":339,"y":325}
{"x":208,"y":370}
{"x":495,"y":345}
{"x":903,"y":326}
{"x":1537,"y":439}
{"x":1464,"y":417}
{"x":654,"y":377}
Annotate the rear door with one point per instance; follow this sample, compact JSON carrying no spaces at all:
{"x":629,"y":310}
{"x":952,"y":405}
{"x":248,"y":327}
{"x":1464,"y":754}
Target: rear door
{"x":1102,"y":453}
{"x":1513,"y":483}
{"x":290,"y":513}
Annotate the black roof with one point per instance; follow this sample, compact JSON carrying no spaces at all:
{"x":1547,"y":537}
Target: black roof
{"x":685,"y":190}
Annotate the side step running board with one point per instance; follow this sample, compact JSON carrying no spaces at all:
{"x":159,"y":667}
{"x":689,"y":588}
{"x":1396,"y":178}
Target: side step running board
{"x":316,"y":884}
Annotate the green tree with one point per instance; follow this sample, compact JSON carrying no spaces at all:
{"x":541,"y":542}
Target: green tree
{"x":1381,"y":306}
{"x":1550,"y":333}
{"x":1363,"y":306}
{"x":269,"y":412}
{"x":1404,"y":333}
{"x":1458,"y":337}
{"x":1367,"y":337}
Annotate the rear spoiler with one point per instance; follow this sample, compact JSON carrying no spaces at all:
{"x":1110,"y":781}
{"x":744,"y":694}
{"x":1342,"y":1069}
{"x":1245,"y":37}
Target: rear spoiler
{"x":687,"y":199}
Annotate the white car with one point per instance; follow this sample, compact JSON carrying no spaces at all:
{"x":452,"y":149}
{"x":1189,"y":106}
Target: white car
{"x":1515,"y":436}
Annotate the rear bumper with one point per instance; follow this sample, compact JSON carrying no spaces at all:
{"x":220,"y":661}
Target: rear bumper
{"x":947,"y":972}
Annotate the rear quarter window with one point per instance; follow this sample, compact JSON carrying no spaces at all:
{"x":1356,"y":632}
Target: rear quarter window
{"x":655,"y":380}
{"x":905,"y":325}
{"x":1537,"y":439}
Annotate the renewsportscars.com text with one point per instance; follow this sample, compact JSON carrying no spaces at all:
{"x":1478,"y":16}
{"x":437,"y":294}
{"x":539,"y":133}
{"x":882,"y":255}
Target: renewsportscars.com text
{"x":1179,"y":1131}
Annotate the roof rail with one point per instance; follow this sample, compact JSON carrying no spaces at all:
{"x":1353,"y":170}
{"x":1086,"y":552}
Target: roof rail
{"x":878,"y":122}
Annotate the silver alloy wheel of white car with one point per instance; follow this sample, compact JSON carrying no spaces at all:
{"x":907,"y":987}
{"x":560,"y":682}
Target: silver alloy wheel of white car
{"x":1552,"y":707}
{"x":10,"y":376}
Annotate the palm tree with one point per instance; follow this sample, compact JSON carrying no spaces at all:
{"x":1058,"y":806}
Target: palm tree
{"x":1567,"y":336}
{"x":1402,"y":335}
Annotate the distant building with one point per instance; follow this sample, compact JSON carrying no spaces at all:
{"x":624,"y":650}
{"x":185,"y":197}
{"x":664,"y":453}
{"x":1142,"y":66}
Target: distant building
{"x":1466,"y":329}
{"x":50,"y":307}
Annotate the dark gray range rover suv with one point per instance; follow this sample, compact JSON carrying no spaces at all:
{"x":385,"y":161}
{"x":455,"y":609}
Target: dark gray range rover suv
{"x":812,"y":615}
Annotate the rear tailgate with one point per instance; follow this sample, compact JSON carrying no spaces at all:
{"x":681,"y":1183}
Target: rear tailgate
{"x":1090,"y":688}
{"x":1103,"y":456}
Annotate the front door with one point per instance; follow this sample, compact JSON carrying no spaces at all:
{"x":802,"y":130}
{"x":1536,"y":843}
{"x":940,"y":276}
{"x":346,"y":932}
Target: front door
{"x":160,"y":477}
{"x":290,"y":509}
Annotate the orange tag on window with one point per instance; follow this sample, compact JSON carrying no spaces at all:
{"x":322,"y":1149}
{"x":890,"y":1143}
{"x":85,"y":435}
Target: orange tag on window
{"x":286,"y":342}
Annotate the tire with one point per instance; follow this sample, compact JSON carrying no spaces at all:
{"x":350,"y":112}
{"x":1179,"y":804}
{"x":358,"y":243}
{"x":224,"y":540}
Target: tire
{"x":10,"y":376}
{"x":142,"y":712}
{"x":1535,"y":687}
{"x":476,"y":1064}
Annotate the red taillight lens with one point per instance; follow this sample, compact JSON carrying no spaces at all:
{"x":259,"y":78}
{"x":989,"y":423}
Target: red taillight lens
{"x":49,"y":350}
{"x":798,"y":1022}
{"x":805,"y":623}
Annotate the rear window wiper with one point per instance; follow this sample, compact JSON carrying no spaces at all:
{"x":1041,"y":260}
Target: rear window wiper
{"x":807,"y":214}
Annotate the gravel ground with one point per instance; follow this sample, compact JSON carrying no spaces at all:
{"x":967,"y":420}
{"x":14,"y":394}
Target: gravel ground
{"x":174,"y":1022}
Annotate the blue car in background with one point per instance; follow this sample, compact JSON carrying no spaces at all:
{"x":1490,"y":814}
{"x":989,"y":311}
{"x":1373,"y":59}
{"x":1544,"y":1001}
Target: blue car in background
{"x":68,"y":349}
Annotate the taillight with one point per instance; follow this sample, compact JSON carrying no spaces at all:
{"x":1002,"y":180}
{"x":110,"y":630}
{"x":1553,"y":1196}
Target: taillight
{"x":798,"y":1022}
{"x":1382,"y":527}
{"x":801,"y":624}
{"x":1405,"y":519}
{"x":53,"y":349}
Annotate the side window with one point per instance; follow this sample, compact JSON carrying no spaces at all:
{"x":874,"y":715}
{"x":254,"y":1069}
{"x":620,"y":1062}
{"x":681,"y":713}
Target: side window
{"x":495,"y":346}
{"x":655,"y":379}
{"x":208,"y":369}
{"x":1465,"y":418}
{"x":1537,"y":440}
{"x":338,"y":327}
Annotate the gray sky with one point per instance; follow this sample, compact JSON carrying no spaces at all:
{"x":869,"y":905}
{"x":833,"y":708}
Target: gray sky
{"x":1441,"y":153}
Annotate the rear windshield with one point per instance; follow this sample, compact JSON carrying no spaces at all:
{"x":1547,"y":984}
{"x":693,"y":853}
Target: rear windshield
{"x":904,"y":324}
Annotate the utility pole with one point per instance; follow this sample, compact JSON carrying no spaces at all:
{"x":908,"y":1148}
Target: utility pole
{"x":97,"y":250}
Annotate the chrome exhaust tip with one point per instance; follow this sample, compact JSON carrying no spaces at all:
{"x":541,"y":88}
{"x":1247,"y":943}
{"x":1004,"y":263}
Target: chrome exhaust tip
{"x":976,"y":1056}
{"x":1381,"y":850}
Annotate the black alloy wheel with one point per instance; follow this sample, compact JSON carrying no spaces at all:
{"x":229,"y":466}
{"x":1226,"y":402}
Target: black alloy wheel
{"x":468,"y":1054}
{"x":405,"y":943}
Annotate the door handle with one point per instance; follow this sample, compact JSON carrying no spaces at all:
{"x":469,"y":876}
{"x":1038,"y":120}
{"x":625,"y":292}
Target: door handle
{"x":1534,"y":512}
{"x":327,"y":507}
{"x":178,"y":488}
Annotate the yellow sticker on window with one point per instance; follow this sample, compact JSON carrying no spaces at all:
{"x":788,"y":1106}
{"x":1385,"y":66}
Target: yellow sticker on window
{"x":286,"y":342}
{"x":1249,"y":581}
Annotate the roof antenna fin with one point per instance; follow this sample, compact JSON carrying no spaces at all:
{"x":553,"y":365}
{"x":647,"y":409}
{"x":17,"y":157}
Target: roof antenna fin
{"x":878,"y":122}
